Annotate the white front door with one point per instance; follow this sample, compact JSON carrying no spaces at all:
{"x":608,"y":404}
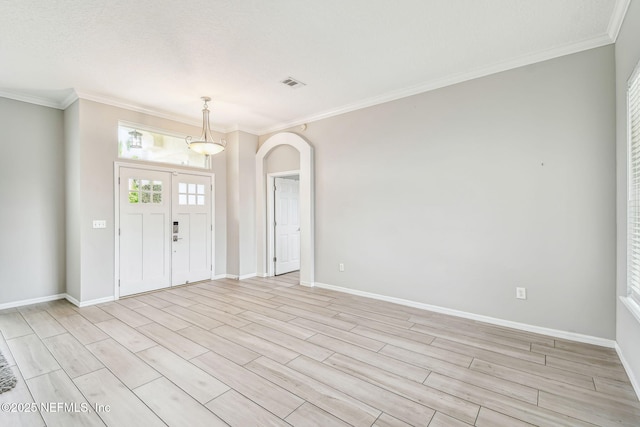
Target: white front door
{"x":191,"y":229}
{"x":165,"y":229}
{"x":145,"y":216}
{"x":287,"y":225}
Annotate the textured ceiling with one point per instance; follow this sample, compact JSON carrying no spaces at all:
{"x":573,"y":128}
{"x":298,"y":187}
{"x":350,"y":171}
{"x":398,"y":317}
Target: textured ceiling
{"x":162,"y":55}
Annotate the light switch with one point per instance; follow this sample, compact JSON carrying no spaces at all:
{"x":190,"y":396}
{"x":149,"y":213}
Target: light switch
{"x":99,"y":223}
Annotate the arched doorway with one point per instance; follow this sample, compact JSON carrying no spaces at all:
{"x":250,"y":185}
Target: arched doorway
{"x":307,"y":260}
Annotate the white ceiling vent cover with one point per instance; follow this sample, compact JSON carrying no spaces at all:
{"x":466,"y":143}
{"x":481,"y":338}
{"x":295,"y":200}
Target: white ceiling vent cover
{"x":292,"y":83}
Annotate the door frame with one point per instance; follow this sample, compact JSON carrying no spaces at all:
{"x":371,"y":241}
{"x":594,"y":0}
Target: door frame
{"x":271,"y":183}
{"x":307,"y":196}
{"x":116,"y":199}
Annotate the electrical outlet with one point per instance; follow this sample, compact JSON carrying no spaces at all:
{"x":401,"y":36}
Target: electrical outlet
{"x":521,"y":293}
{"x":341,"y":267}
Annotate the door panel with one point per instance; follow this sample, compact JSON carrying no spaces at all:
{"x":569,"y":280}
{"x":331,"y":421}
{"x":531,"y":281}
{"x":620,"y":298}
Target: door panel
{"x":287,"y":228}
{"x":152,"y":256}
{"x":145,"y":214}
{"x":191,"y":245}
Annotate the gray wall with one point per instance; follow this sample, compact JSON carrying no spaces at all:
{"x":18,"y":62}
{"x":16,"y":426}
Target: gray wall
{"x":241,"y":195}
{"x":73,"y":203}
{"x":627,"y":56}
{"x":32,"y":211}
{"x":456,"y":196}
{"x":282,"y":159}
{"x":247,"y":214}
{"x":233,"y":203}
{"x":98,"y":138}
{"x":440,"y":198}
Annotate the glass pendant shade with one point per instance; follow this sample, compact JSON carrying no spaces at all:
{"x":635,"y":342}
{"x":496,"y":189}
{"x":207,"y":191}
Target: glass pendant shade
{"x":206,"y":144}
{"x":135,"y":139}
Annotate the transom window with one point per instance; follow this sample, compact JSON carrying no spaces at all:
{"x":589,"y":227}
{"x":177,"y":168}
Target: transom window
{"x":157,"y":147}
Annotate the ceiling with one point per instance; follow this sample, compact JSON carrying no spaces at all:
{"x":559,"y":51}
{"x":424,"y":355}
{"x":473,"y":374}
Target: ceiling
{"x":160,"y":56}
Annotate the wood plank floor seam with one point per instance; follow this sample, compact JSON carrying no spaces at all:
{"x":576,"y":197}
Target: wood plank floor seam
{"x":267,"y":351}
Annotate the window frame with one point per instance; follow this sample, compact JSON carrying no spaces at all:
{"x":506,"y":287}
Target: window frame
{"x":206,"y":162}
{"x":633,"y":212}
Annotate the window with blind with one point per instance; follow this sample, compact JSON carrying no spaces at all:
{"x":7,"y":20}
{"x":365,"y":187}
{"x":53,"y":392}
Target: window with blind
{"x":633,"y":200}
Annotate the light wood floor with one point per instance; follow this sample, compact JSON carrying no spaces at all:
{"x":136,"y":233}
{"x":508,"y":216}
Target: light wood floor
{"x":270,"y":352}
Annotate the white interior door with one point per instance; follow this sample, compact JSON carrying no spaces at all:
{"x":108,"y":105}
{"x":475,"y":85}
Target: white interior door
{"x":287,"y":225}
{"x":145,"y":217}
{"x":191,"y":229}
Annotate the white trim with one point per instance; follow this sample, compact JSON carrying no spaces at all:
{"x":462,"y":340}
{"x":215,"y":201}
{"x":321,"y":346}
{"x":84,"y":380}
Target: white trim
{"x":127,"y":105}
{"x":20,"y":303}
{"x":617,"y":18}
{"x":631,"y":253}
{"x":72,"y":300}
{"x":487,"y":319}
{"x":568,"y":49}
{"x":238,"y":128}
{"x":116,"y":206}
{"x":224,"y":276}
{"x":68,"y":100}
{"x":247,"y":276}
{"x":632,"y":306}
{"x":82,"y":304}
{"x":307,"y":284}
{"x":615,"y":22}
{"x":31,"y":99}
{"x":295,"y":172}
{"x":632,"y":379}
{"x":213,"y":222}
{"x":270,"y":217}
{"x":116,"y":228}
{"x":307,"y":210}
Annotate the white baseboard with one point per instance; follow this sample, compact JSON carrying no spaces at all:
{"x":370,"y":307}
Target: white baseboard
{"x":72,"y":300}
{"x":634,"y":381}
{"x":31,"y":301}
{"x":235,"y":276}
{"x":81,"y":304}
{"x":307,"y":284}
{"x":225,"y":276}
{"x":588,"y":339}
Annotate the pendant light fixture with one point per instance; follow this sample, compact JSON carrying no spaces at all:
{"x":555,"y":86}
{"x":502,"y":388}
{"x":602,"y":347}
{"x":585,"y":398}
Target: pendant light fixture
{"x":206,"y":144}
{"x":135,"y":139}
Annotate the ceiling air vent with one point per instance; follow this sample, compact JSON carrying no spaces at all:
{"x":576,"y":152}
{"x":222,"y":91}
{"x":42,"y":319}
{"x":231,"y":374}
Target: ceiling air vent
{"x":292,"y":83}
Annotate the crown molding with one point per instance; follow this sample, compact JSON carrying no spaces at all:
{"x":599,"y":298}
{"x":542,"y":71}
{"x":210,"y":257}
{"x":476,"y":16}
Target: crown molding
{"x":31,"y":99}
{"x":617,"y":17}
{"x":521,"y":61}
{"x":75,"y":95}
{"x":126,"y":105}
{"x":238,"y":128}
{"x":613,"y":29}
{"x":70,"y":99}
